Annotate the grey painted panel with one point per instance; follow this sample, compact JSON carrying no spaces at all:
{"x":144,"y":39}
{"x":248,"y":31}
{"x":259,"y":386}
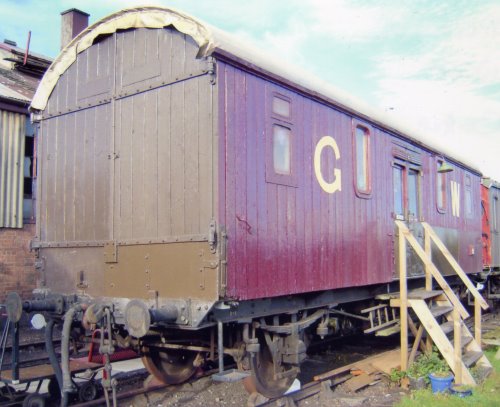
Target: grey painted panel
{"x":165,"y":164}
{"x":148,"y":58}
{"x":74,"y":176}
{"x":161,"y":167}
{"x":87,"y":82}
{"x":150,"y":178}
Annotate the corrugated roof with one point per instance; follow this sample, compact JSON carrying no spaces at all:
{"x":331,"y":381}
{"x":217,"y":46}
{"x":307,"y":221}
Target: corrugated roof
{"x":18,"y":82}
{"x":213,"y":40}
{"x":8,"y":93}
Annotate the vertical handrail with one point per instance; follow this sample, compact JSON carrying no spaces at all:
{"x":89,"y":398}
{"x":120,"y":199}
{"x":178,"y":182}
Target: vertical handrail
{"x":403,"y":289}
{"x":428,"y":281}
{"x":477,"y":321}
{"x":457,"y":341}
{"x":428,"y":251}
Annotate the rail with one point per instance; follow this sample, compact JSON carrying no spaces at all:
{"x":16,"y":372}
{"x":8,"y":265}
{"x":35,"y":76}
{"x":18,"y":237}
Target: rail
{"x":431,"y":271}
{"x":479,"y":302}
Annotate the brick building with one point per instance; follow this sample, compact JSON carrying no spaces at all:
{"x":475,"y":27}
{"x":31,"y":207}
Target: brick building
{"x":20,"y":74}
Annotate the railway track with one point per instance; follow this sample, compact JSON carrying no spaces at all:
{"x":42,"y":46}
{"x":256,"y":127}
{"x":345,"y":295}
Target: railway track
{"x":320,"y":387}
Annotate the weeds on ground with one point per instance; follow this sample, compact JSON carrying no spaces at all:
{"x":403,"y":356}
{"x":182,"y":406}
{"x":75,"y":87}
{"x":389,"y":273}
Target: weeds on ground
{"x":486,"y":394}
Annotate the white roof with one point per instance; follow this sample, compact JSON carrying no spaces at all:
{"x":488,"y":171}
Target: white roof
{"x":210,"y":40}
{"x":9,"y":93}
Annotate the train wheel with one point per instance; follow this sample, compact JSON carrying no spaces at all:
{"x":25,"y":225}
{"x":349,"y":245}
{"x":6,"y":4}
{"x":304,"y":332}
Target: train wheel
{"x":34,"y":400}
{"x":263,"y":380}
{"x":170,"y":367}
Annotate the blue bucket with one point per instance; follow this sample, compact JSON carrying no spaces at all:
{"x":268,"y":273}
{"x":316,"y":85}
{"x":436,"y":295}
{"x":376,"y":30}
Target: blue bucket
{"x":440,"y":384}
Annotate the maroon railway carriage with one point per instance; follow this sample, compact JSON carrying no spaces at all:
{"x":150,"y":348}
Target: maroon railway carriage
{"x":191,"y":188}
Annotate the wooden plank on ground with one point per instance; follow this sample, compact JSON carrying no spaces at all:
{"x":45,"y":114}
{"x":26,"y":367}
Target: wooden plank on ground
{"x":358,"y":382}
{"x":388,"y":361}
{"x":390,"y":355}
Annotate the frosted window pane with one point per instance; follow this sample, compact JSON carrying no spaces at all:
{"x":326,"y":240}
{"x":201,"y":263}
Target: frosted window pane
{"x":413,"y":192}
{"x":361,"y":159}
{"x":398,"y":190}
{"x":281,"y":107}
{"x":281,"y":150}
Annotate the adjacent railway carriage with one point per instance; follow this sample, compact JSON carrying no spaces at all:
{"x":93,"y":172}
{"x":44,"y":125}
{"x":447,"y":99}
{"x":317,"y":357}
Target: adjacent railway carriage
{"x":188,"y":184}
{"x":490,"y":196}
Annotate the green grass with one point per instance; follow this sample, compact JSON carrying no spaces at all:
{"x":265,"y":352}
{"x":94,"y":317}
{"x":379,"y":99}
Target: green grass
{"x":486,"y":394}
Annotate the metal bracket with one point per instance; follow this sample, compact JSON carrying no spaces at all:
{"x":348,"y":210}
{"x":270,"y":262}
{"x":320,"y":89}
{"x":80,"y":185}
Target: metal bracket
{"x":212,"y":236}
{"x":110,"y":252}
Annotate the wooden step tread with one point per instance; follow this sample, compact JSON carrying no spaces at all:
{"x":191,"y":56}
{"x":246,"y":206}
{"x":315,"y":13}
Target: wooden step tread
{"x":422,"y":294}
{"x":417,"y":294}
{"x":464,"y":342}
{"x":440,"y":310}
{"x":447,"y":327}
{"x":389,"y":331}
{"x":471,"y":357}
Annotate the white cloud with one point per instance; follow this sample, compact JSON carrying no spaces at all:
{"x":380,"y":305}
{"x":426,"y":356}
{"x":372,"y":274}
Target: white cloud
{"x":442,"y":88}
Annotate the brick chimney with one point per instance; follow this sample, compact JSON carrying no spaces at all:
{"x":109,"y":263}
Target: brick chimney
{"x":73,"y":22}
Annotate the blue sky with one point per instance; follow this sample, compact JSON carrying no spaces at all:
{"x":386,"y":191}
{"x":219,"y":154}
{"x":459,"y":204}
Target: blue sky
{"x":432,"y":64}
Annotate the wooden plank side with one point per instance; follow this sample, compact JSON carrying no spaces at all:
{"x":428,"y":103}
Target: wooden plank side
{"x":102,"y":154}
{"x":150,"y":147}
{"x":80,"y":187}
{"x":177,"y":160}
{"x":88,"y":221}
{"x":58,"y":198}
{"x":206,"y":142}
{"x":252,"y":137}
{"x":123,"y":185}
{"x":138,"y":141}
{"x":164,"y":162}
{"x":239,"y":138}
{"x":70,"y":163}
{"x":191,"y":160}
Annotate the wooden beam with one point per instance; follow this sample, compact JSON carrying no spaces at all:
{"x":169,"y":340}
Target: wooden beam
{"x":414,"y":332}
{"x":416,"y":343}
{"x":455,"y":265}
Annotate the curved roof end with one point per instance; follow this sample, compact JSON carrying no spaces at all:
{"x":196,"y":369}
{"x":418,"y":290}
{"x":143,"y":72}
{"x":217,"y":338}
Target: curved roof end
{"x":137,"y":17}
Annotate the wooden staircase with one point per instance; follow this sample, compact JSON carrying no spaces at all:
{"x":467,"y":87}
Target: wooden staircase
{"x":440,"y":312}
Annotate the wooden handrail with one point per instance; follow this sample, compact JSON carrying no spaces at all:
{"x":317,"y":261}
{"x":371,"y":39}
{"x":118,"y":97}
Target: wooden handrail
{"x":453,"y":263}
{"x":403,"y":229}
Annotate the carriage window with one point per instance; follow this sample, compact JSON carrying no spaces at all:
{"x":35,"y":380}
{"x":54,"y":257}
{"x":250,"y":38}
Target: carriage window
{"x":397,"y":175}
{"x":441,"y":189}
{"x":281,"y":150}
{"x":280,"y":138}
{"x":468,"y":196}
{"x":362,"y":153}
{"x":413,"y":189}
{"x":281,"y":106}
